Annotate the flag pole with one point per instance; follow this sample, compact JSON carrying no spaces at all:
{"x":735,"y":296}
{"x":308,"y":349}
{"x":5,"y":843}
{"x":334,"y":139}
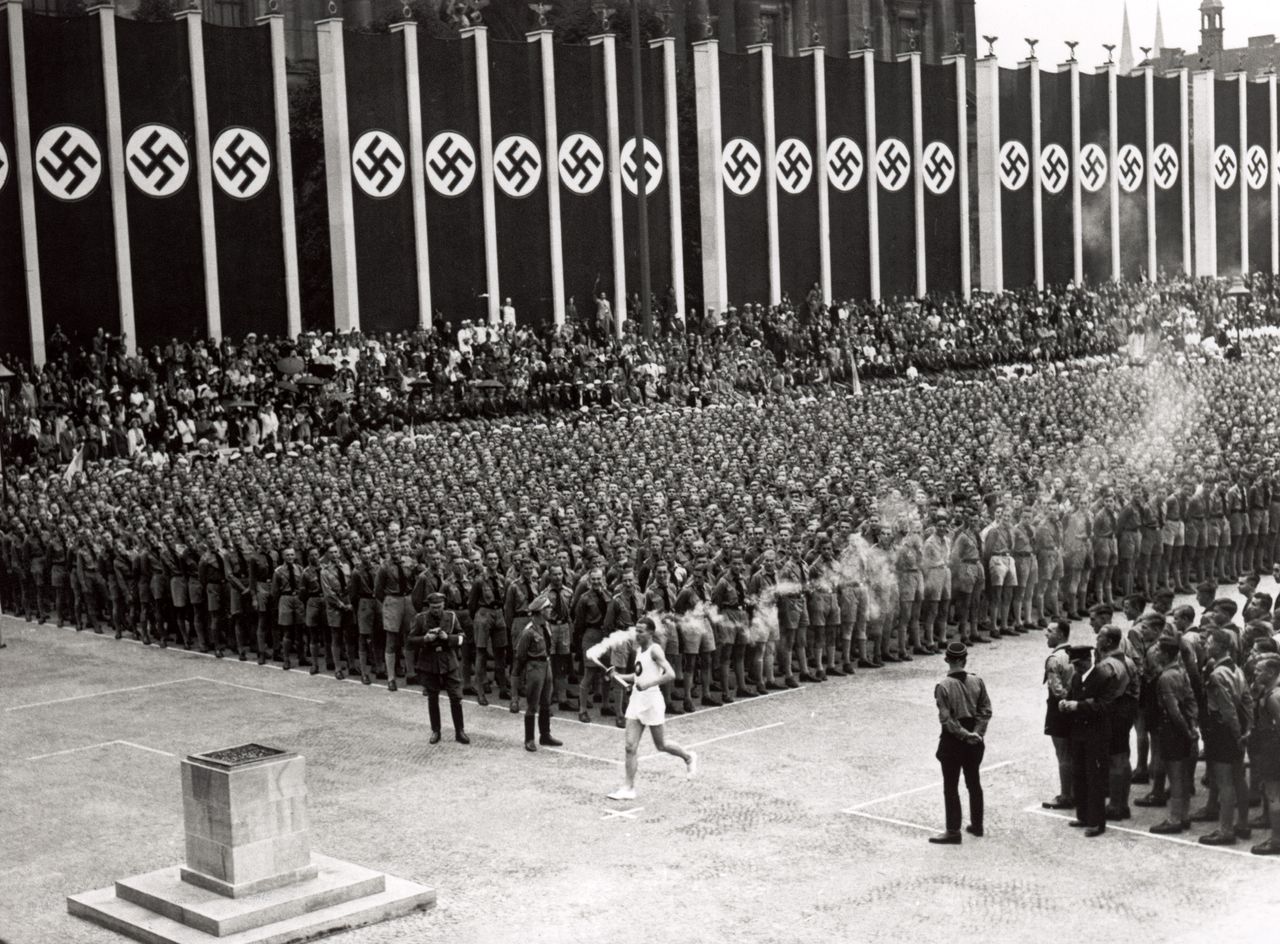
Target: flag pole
{"x":642,"y":175}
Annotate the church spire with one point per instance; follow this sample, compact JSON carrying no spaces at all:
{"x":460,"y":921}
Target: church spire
{"x":1159,"y":29}
{"x":1126,"y":45}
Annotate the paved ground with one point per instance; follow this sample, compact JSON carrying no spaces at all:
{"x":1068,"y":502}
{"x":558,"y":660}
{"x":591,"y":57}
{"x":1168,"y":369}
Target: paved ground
{"x":807,"y":823}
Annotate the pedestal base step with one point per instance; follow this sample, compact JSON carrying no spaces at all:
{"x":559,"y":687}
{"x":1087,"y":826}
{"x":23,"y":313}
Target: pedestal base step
{"x":173,"y":912}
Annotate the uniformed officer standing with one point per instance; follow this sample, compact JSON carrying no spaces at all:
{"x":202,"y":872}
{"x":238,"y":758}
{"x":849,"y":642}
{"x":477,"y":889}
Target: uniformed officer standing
{"x":1091,"y":704}
{"x":964,"y":709}
{"x":435,"y":639}
{"x":533,"y":674}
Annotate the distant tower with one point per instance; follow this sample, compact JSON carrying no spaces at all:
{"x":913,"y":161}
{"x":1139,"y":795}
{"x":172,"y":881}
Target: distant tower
{"x":1211,"y":28}
{"x":1126,"y":45}
{"x":1159,"y":31}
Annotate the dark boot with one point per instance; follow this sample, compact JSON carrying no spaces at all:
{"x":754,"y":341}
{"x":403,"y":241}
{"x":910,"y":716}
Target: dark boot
{"x":459,"y":735}
{"x":529,"y":744}
{"x":544,"y":731}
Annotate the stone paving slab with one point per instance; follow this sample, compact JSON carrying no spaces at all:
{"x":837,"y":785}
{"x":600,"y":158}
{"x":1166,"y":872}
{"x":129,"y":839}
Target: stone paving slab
{"x":525,"y":847}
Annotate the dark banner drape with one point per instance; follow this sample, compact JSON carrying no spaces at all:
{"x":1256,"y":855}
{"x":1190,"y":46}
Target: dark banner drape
{"x":73,"y":189}
{"x":1018,"y":248}
{"x":798,"y":180}
{"x":14,"y":336}
{"x":940,"y":167}
{"x":246,"y":179}
{"x":520,"y":169}
{"x":1131,"y":173}
{"x":845,"y":166}
{"x":582,"y":170}
{"x":1226,"y":173}
{"x":382,"y":196}
{"x":156,"y":114}
{"x":1055,"y":177}
{"x":1095,"y":200}
{"x":892,"y":163}
{"x":1167,"y":170}
{"x":742,"y":173}
{"x":659,"y":212}
{"x":455,"y":209}
{"x":1256,"y":166}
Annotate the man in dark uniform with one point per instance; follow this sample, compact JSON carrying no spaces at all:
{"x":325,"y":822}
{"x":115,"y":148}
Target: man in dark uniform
{"x":435,"y":639}
{"x":533,"y":674}
{"x":964,"y":710}
{"x":1090,"y":704}
{"x":589,"y":611}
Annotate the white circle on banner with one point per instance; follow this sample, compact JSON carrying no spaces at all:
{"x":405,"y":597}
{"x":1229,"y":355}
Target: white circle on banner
{"x":378,"y":164}
{"x":241,"y":162}
{"x":1225,"y":167}
{"x":1015,"y":165}
{"x":844,"y":164}
{"x":1093,"y":167}
{"x":938,"y":166}
{"x":1054,"y":169}
{"x":517,"y":165}
{"x":451,"y":163}
{"x":893,"y":164}
{"x":581,"y":163}
{"x":794,"y":165}
{"x":1256,"y":167}
{"x":157,"y":161}
{"x":1164,"y":165}
{"x":68,"y":162}
{"x":740,"y":166}
{"x":652,"y":166}
{"x":1129,"y":168}
{"x":4,"y":165}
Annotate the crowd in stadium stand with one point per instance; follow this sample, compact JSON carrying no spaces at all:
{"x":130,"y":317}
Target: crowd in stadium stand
{"x":300,"y":501}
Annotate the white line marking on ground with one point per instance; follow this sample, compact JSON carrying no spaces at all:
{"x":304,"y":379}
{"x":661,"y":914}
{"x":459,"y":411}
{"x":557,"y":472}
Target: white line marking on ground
{"x":1150,"y":835}
{"x":558,"y":717}
{"x":89,"y":747}
{"x":264,"y":691}
{"x":622,"y":814}
{"x":927,"y":786}
{"x":561,"y":750}
{"x":734,"y":734}
{"x":739,"y":701}
{"x":113,"y":691}
{"x":895,"y":822}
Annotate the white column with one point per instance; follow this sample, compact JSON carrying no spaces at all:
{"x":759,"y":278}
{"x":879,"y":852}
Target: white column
{"x":917,"y":178}
{"x":990,"y":217}
{"x":1113,"y":178}
{"x":706,"y":77}
{"x":1037,"y":194}
{"x":546,"y":58}
{"x":871,"y":180}
{"x":337,"y":165}
{"x":1149,"y":145}
{"x":768,"y":153}
{"x":672,"y":159}
{"x":1206,"y":221}
{"x":480,"y":36}
{"x":1077,"y":206}
{"x":1274,"y":183}
{"x":962,"y":170}
{"x":613,"y":158}
{"x":284,"y":169}
{"x":417,"y":170}
{"x":106,"y":14}
{"x":204,"y":173}
{"x":1242,"y":178}
{"x":25,"y":179}
{"x":1184,"y":156}
{"x":820,"y":180}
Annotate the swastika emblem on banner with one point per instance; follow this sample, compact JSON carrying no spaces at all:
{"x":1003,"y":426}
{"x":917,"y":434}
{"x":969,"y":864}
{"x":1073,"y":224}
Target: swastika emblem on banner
{"x":1164,"y":166}
{"x":581,"y":163}
{"x":517,"y":165}
{"x":4,"y":165}
{"x":1129,"y":168}
{"x":844,"y":164}
{"x":794,"y":165}
{"x":241,"y":162}
{"x":451,"y":163}
{"x":156,"y":157}
{"x":939,"y":167}
{"x":68,"y":162}
{"x":1256,"y":167}
{"x":1054,"y":169}
{"x":652,"y":166}
{"x":1093,"y":167}
{"x":1225,"y":167}
{"x":740,"y":166}
{"x":893,"y":164}
{"x":378,"y":164}
{"x":1015,"y":165}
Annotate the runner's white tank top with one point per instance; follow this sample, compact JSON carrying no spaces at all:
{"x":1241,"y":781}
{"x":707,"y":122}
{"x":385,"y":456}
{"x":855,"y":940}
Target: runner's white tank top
{"x":645,"y":668}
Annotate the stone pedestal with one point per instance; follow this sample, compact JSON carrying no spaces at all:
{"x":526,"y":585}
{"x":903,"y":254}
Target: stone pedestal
{"x":250,"y":875}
